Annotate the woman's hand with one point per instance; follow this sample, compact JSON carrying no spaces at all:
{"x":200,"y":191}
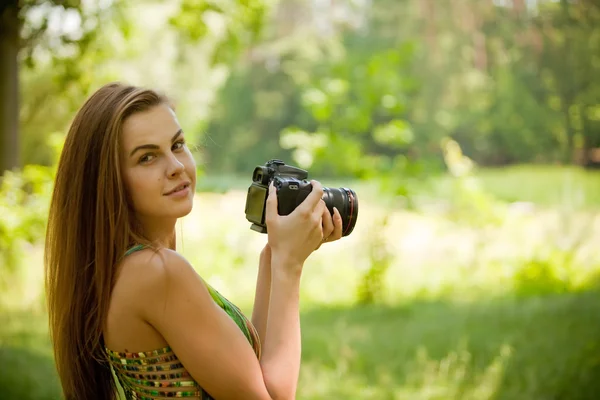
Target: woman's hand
{"x":295,"y":236}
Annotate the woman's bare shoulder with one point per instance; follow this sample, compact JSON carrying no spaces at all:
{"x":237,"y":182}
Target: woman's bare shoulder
{"x":155,"y":263}
{"x":151,"y":273}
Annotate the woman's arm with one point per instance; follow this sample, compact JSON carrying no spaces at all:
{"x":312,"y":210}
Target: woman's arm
{"x":281,"y":355}
{"x":332,"y":231}
{"x":263,"y":293}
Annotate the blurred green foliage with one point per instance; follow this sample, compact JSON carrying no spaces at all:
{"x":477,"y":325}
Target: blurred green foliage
{"x":371,"y":287}
{"x":241,"y":24}
{"x":24,"y":201}
{"x":349,"y":91}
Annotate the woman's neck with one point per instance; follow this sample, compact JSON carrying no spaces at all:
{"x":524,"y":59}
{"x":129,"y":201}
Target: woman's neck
{"x":159,"y":232}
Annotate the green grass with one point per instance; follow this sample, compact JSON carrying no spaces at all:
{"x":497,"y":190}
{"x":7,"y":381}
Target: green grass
{"x":26,"y":364}
{"x":538,"y":348}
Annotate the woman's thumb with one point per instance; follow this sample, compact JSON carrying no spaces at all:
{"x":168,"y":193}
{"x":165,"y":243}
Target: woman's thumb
{"x":272,"y":201}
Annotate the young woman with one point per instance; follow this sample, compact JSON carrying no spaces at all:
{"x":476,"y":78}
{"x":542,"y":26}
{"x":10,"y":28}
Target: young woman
{"x":121,"y":299}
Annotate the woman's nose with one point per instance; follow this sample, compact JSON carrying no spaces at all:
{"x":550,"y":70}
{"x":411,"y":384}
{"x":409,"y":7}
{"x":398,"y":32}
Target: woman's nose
{"x":175,"y":166}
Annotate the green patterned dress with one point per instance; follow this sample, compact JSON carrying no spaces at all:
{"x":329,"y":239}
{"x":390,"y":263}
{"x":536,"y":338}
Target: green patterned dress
{"x":159,"y":374}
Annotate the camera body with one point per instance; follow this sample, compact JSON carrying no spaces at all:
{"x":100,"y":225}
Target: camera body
{"x":292,"y":188}
{"x":290,"y":183}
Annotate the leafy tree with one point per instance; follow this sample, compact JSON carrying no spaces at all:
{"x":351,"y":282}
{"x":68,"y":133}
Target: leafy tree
{"x":30,"y":30}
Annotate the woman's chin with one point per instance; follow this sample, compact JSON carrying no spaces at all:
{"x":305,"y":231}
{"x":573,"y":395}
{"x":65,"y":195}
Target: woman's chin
{"x":186,"y":213}
{"x":175,"y":210}
{"x":183,"y":211}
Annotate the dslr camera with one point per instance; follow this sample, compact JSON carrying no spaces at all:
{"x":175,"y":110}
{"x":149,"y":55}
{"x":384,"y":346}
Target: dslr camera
{"x":292,"y":188}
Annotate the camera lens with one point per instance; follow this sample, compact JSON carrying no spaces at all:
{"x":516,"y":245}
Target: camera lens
{"x":346,"y":201}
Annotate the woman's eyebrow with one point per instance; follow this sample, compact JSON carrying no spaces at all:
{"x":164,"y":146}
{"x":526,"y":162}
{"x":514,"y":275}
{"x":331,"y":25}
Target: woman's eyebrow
{"x":154,"y":146}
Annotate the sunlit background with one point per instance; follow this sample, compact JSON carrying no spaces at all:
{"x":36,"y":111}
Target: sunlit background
{"x":469,"y":129}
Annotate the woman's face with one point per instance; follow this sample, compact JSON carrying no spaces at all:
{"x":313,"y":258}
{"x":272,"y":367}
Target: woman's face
{"x":157,"y":166}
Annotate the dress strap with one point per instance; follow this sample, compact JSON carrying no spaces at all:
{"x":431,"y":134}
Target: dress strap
{"x":135,"y":248}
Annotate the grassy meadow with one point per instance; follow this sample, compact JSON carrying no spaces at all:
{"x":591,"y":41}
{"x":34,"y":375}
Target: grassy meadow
{"x":487,"y":291}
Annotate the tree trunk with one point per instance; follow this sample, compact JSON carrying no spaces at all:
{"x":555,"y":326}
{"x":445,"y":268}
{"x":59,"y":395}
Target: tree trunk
{"x":9,"y":87}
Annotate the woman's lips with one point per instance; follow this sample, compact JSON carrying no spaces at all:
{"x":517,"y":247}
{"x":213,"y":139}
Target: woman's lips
{"x":180,"y":190}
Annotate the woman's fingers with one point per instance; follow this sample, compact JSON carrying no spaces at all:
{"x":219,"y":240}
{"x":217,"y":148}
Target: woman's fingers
{"x":328,"y":225}
{"x":337,"y":225}
{"x":333,"y":231}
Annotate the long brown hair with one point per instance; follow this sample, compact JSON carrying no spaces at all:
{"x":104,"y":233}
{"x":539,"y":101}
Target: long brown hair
{"x":90,"y":227}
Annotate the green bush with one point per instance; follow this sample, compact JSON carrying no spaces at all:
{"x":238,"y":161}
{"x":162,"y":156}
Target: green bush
{"x":371,"y":287}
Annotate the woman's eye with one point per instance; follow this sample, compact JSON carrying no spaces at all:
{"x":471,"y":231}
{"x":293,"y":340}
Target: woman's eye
{"x":146,"y":158}
{"x":178,"y":145}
